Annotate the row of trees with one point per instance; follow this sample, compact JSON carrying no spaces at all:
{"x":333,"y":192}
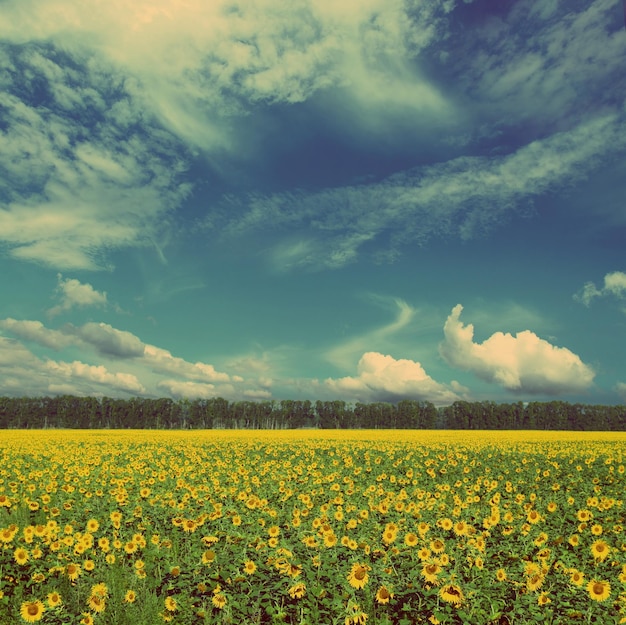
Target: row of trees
{"x":67,"y":411}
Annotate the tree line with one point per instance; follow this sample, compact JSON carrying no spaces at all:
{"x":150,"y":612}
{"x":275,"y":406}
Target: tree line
{"x":68,"y":411}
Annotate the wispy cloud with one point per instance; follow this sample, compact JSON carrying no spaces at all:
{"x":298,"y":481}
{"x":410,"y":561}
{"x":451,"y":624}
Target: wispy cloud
{"x":463,"y":197}
{"x":614,"y":284}
{"x":345,"y":354}
{"x":523,"y":363}
{"x":83,"y":172}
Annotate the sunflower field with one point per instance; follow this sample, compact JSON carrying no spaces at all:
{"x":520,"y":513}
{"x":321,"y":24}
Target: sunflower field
{"x":129,"y":527}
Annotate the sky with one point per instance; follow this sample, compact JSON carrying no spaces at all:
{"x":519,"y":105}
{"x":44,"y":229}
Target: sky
{"x":366,"y":200}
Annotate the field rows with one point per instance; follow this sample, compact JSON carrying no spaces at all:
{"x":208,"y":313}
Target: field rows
{"x":350,"y":527}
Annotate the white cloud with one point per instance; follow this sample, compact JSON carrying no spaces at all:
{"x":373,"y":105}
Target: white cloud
{"x":522,"y":363}
{"x":23,"y":373}
{"x":383,"y":378}
{"x":95,"y":373}
{"x":144,"y":365}
{"x":108,"y":340}
{"x":35,"y":331}
{"x":185,"y":389}
{"x":75,"y":294}
{"x":82,"y":181}
{"x":614,"y":284}
{"x":162,"y":361}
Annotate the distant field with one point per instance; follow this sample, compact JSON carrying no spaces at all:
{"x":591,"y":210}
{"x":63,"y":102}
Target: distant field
{"x":356,"y":527}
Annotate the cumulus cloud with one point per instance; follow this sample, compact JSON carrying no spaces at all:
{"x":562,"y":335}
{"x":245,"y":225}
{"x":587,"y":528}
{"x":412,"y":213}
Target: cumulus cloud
{"x":614,"y":284}
{"x":36,"y":332}
{"x":383,"y":378}
{"x":23,"y":373}
{"x":620,"y":387}
{"x":95,"y":373}
{"x":108,"y":340}
{"x":192,"y":390}
{"x":522,"y":363}
{"x":162,"y":361}
{"x":145,"y":365}
{"x":73,"y":293}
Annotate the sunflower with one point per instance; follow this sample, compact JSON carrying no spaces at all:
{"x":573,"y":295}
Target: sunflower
{"x":96,"y":603}
{"x":437,"y":545}
{"x":207,"y":557}
{"x":430,"y":571}
{"x":100,"y":590}
{"x":32,"y":611}
{"x":54,"y":599}
{"x":249,"y":567}
{"x":460,"y":528}
{"x":358,"y":577}
{"x":576,"y":577}
{"x":600,"y":550}
{"x":533,"y":516}
{"x":93,"y":525}
{"x":383,"y":595}
{"x":170,"y":604}
{"x":72,"y":571}
{"x":297,"y":591}
{"x":543,"y":599}
{"x":534,"y":581}
{"x":218,"y":600}
{"x":130,"y":596}
{"x":445,"y":524}
{"x":410,"y":539}
{"x":452,"y":594}
{"x":599,"y":591}
{"x":20,"y":555}
{"x":87,"y":619}
{"x":389,"y":536}
{"x":501,"y":575}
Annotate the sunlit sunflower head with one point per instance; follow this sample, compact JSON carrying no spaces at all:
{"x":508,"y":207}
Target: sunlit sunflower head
{"x":96,"y":603}
{"x":451,"y":593}
{"x":599,"y":590}
{"x":297,"y":591}
{"x":576,"y":577}
{"x":72,"y":571}
{"x":358,"y":576}
{"x":249,"y":567}
{"x":218,"y":600}
{"x":383,"y":595}
{"x":410,"y":539}
{"x":32,"y":611}
{"x":100,"y":590}
{"x":130,"y":596}
{"x":170,"y":604}
{"x":54,"y":599}
{"x":600,"y":550}
{"x":437,"y":545}
{"x":543,"y":598}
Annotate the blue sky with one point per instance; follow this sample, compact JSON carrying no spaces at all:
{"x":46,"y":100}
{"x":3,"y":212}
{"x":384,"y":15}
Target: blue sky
{"x":367,"y":200}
